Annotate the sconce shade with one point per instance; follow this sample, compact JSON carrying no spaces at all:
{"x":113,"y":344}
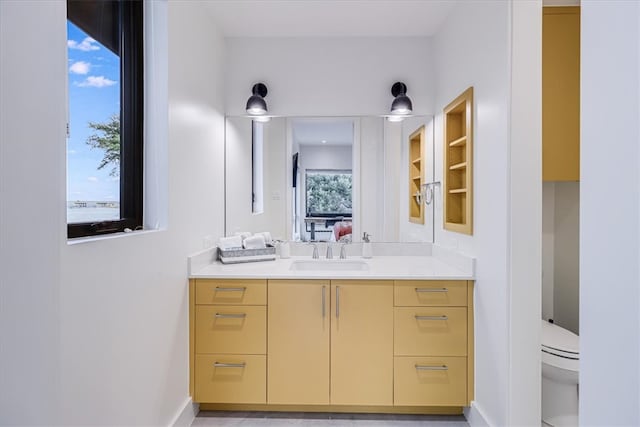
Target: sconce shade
{"x":401,"y":104}
{"x":256,"y":104}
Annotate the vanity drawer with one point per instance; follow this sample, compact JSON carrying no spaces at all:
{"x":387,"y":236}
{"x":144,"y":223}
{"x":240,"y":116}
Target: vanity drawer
{"x":436,"y":381}
{"x":228,"y":329}
{"x":230,"y":379}
{"x":430,"y":331}
{"x":232,"y":292}
{"x":408,"y":293}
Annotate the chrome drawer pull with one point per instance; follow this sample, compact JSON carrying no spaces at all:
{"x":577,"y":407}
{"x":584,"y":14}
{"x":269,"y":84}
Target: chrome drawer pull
{"x":431,"y":317}
{"x":229,"y":365}
{"x":431,"y":368}
{"x":432,"y":290}
{"x":231,"y":315}
{"x":242,"y":289}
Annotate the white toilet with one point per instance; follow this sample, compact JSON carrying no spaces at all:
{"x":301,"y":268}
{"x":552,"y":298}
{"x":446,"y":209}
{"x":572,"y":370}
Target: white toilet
{"x":560,"y":362}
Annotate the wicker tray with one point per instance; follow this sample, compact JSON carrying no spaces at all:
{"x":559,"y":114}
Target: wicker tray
{"x":236,"y":256}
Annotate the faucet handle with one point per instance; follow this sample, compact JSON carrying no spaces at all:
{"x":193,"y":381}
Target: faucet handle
{"x":343,"y":251}
{"x":329,"y":251}
{"x":315,"y":251}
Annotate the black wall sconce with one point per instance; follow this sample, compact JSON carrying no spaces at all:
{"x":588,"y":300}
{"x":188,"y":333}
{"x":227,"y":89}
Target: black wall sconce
{"x":256,"y":105}
{"x":401,"y":105}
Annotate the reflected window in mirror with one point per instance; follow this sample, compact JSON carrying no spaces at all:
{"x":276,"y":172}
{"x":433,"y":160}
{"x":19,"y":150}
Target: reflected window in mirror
{"x":328,"y":204}
{"x":257,"y":167}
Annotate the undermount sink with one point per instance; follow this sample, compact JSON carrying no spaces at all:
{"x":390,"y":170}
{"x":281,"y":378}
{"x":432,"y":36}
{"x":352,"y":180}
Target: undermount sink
{"x":329,"y":265}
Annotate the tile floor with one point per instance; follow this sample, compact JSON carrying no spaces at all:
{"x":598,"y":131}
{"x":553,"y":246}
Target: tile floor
{"x":248,"y":419}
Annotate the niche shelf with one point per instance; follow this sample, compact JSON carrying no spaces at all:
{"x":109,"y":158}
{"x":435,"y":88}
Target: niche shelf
{"x":416,"y":175}
{"x":458,"y":164}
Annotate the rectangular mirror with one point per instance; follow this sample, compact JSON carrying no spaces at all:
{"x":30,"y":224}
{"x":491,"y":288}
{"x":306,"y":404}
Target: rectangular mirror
{"x":330,"y":178}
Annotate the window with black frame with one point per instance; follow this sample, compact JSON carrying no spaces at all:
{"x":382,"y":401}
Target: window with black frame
{"x":105,"y":129}
{"x":328,"y":193}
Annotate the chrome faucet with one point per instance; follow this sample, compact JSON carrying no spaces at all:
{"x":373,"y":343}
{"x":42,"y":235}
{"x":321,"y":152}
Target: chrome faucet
{"x":315,"y":251}
{"x":343,"y":251}
{"x":329,"y":251}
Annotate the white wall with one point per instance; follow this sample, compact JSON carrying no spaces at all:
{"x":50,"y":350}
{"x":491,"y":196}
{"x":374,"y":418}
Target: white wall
{"x":32,"y":208}
{"x":372,"y":197}
{"x":471,"y":50}
{"x":326,"y":157}
{"x":566,"y":277}
{"x":525,"y":211}
{"x":548,"y":246}
{"x":495,"y":47}
{"x":560,"y":253}
{"x":329,"y":76}
{"x":392,"y":137}
{"x":610,"y":214}
{"x":97,"y":332}
{"x":124,"y":311}
{"x":238,"y":178}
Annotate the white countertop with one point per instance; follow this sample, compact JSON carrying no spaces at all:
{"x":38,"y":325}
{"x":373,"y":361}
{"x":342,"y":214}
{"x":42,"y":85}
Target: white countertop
{"x":378,"y":268}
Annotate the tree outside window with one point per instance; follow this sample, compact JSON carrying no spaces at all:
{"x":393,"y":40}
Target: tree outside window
{"x":329,"y":192}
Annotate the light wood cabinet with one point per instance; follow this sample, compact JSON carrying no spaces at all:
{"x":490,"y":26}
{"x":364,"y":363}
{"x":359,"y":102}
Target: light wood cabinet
{"x":431,"y":381}
{"x":358,"y":315}
{"x":298,"y":352}
{"x":416,"y":175}
{"x":231,"y":292}
{"x":415,"y":293}
{"x":458,"y":164}
{"x":225,"y":378}
{"x":228,"y":341}
{"x":332,"y":345}
{"x":231,"y":329}
{"x":561,"y":93}
{"x":427,"y":331}
{"x":433,"y":343}
{"x":362,"y":342}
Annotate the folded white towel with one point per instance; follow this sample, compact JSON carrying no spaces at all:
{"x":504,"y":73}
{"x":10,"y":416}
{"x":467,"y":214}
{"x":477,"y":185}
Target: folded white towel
{"x":267,"y":237}
{"x":234,"y":242}
{"x":254,"y":242}
{"x":243,"y":234}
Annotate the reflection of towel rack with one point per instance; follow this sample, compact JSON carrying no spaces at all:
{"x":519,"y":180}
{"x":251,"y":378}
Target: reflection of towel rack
{"x":427,"y":192}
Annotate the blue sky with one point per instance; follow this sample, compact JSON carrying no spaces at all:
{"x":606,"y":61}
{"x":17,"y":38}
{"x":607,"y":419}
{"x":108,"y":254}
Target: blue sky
{"x":94,"y":95}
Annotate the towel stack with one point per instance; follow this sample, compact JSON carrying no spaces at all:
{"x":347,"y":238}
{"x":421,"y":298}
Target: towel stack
{"x":267,"y":237}
{"x":244,"y":239}
{"x":254,"y":242}
{"x":226,"y":243}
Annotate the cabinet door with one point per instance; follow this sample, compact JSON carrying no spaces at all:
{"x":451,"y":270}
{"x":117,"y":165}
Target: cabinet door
{"x":231,"y":329}
{"x":225,"y":378}
{"x":298,"y":342}
{"x":430,"y":331}
{"x":361,"y":342}
{"x":561,"y":94}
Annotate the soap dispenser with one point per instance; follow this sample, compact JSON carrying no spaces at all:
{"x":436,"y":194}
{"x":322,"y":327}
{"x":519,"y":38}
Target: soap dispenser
{"x":367,"y":251}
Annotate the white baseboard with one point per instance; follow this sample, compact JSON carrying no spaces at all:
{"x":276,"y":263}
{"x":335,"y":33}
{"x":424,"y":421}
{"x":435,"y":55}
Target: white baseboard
{"x":185,"y":417}
{"x":475,"y":416}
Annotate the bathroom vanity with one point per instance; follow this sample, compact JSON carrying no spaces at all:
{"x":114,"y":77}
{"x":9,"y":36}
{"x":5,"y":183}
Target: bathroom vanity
{"x":390,"y":334}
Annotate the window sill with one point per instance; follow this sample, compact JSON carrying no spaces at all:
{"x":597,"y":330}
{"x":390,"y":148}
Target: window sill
{"x":90,"y":239}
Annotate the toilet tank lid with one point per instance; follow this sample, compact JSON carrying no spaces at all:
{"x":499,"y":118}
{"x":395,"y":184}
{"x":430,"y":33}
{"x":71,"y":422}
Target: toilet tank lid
{"x":555,"y":337}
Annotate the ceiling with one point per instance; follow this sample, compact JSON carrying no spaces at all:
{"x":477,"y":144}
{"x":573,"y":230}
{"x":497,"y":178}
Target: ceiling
{"x":314,"y":131}
{"x":329,"y":18}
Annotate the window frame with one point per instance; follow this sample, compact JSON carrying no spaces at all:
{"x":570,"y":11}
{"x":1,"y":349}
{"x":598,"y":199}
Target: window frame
{"x":131,"y":39}
{"x":306,"y":193}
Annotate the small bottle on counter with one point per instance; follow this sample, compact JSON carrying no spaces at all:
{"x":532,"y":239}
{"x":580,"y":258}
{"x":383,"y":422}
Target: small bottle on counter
{"x":367,"y":251}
